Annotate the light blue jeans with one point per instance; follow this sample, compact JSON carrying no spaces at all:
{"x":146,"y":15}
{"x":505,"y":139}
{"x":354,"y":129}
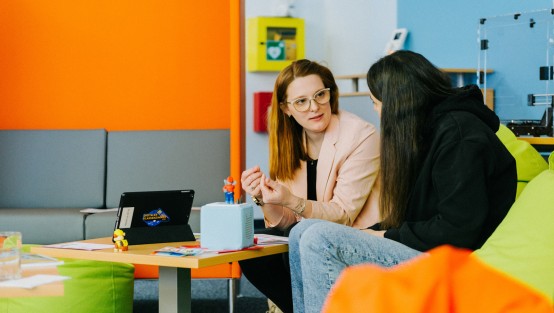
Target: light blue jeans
{"x":320,"y":250}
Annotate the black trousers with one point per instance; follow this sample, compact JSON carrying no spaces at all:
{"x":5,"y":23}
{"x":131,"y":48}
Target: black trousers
{"x":271,"y":274}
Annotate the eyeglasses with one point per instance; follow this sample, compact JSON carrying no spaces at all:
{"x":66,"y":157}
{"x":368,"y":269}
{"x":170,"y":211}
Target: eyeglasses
{"x":320,"y":97}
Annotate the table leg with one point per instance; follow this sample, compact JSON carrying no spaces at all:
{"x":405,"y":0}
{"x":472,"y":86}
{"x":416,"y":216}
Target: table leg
{"x":174,"y":290}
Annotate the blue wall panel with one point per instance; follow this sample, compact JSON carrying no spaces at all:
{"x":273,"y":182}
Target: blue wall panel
{"x":446,"y":31}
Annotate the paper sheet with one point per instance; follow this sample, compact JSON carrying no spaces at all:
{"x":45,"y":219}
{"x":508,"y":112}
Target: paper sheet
{"x":38,"y":260}
{"x":264,"y":239}
{"x":32,"y":281}
{"x":80,"y":246}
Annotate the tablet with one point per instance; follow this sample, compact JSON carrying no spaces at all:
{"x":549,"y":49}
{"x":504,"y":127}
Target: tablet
{"x":155,"y":216}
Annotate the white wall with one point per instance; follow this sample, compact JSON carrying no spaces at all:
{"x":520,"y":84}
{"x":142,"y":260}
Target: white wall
{"x":346,"y":35}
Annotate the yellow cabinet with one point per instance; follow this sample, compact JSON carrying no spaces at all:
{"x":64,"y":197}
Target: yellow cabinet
{"x":274,"y":42}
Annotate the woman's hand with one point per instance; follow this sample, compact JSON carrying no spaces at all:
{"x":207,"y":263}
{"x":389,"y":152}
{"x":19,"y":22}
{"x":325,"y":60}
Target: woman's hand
{"x":250,"y":181}
{"x":276,"y":193}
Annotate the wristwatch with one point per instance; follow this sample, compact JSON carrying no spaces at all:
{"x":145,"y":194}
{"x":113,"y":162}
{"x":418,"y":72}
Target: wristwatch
{"x":257,"y":201}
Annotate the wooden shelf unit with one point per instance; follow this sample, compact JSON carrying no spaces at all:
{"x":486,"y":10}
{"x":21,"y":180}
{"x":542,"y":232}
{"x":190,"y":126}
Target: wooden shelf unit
{"x":460,"y":72}
{"x":355,"y":80}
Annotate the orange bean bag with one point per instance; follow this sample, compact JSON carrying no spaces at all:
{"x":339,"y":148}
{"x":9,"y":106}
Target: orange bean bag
{"x":446,"y":280}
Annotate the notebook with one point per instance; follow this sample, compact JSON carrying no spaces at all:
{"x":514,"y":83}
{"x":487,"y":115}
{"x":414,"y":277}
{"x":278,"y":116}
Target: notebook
{"x":155,"y":216}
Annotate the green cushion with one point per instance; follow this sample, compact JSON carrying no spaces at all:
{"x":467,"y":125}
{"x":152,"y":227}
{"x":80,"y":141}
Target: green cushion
{"x":529,"y":162}
{"x":94,"y":287}
{"x":523,"y":244}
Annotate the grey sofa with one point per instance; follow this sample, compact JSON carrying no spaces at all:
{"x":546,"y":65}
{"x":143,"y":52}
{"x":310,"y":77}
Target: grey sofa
{"x":48,"y":176}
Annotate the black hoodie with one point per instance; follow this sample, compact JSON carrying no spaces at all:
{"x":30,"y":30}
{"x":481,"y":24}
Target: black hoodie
{"x":467,"y":182}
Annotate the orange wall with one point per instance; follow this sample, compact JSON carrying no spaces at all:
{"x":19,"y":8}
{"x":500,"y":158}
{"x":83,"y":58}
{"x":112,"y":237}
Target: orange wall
{"x":118,"y":65}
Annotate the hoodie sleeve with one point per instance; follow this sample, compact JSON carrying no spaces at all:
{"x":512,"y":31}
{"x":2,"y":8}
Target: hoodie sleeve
{"x":459,"y":192}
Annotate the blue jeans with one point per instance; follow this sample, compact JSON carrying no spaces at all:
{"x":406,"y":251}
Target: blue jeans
{"x":320,"y":250}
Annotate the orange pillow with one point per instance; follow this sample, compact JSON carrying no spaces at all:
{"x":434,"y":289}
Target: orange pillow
{"x":446,"y":280}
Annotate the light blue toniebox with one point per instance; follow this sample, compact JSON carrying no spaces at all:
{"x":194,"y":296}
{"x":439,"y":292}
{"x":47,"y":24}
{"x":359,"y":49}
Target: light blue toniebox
{"x":226,"y":226}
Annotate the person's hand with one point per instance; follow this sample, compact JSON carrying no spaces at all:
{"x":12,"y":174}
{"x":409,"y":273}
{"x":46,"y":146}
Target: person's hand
{"x":250,"y":181}
{"x":378,"y":233}
{"x":274,"y":192}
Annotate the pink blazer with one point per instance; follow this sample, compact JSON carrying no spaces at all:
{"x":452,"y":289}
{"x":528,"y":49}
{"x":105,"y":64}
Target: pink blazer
{"x":347,"y":169}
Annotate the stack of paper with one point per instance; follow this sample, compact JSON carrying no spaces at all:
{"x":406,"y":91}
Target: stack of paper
{"x":38,"y":260}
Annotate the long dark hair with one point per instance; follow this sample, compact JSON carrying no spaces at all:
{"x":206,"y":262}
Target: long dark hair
{"x":409,"y":86}
{"x":286,"y":148}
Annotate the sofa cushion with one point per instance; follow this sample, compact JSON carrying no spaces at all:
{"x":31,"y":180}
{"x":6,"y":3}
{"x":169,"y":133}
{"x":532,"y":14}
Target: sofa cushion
{"x":529,"y":162}
{"x":44,"y":226}
{"x":523,"y":244}
{"x":52,"y":168}
{"x":166,"y":160}
{"x":100,"y":287}
{"x":101,"y":224}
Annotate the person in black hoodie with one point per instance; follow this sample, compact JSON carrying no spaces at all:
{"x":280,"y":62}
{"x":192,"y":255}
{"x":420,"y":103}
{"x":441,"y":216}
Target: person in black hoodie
{"x":446,"y":179}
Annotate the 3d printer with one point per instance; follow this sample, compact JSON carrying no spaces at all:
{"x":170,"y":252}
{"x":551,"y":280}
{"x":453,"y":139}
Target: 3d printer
{"x":520,"y":49}
{"x":534,"y":128}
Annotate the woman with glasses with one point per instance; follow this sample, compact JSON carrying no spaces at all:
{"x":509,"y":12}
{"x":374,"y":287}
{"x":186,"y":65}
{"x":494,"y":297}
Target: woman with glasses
{"x":323,"y":164}
{"x":446,"y":179}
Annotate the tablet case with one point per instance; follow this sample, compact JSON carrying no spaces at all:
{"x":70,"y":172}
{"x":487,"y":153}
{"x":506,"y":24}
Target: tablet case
{"x":155,"y":216}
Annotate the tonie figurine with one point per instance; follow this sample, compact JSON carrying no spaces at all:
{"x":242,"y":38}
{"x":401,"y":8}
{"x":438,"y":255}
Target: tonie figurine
{"x":229,"y":190}
{"x":120,"y":243}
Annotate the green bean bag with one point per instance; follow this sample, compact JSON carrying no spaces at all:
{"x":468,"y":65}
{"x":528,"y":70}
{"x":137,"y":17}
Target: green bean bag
{"x":529,"y":162}
{"x":523,"y":244}
{"x":95,"y":286}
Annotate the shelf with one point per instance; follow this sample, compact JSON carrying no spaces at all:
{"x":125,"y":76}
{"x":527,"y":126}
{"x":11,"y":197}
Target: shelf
{"x":460,"y":72}
{"x":355,"y":79}
{"x":355,"y":94}
{"x":538,"y":140}
{"x":464,"y":71}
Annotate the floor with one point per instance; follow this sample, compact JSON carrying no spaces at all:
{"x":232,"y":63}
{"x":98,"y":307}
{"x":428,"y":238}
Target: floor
{"x":208,"y":296}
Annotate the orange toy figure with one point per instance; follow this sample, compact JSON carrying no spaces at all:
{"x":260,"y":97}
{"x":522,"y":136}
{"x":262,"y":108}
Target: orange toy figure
{"x":120,"y":243}
{"x":229,"y":190}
